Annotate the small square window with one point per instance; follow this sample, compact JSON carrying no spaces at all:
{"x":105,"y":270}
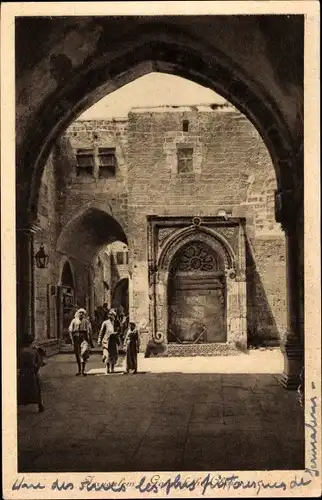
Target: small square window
{"x":107,"y":162}
{"x":185,"y":160}
{"x":85,"y":162}
{"x":120,"y":258}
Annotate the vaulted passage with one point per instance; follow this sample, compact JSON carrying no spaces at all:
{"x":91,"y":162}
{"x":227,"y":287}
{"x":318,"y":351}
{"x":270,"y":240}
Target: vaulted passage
{"x":86,"y":234}
{"x":57,"y":83}
{"x":196,"y":296}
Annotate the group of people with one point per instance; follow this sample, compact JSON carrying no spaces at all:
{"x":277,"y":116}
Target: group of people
{"x":111,"y":339}
{"x":101,"y":314}
{"x":80,"y":330}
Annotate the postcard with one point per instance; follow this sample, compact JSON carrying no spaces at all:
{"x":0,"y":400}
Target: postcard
{"x":161,"y":250}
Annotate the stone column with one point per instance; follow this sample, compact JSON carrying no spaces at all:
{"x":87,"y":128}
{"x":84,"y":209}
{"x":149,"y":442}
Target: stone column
{"x":292,"y":344}
{"x":25,"y":281}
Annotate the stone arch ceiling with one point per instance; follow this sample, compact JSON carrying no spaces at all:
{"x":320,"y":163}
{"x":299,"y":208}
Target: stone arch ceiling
{"x":52,"y":85}
{"x":269,"y":48}
{"x":85,"y":235}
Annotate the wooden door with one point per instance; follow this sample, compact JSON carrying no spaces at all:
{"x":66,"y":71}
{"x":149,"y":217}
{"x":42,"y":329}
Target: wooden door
{"x":196,"y":297}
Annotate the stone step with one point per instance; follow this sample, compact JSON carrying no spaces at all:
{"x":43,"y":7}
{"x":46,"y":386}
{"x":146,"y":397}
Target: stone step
{"x":188,"y":350}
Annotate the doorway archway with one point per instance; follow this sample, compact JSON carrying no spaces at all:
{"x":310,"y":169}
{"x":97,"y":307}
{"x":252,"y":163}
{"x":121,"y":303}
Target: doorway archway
{"x":85,"y":234}
{"x":197,"y":295}
{"x":73,"y":81}
{"x":67,"y":278}
{"x":65,"y":301}
{"x":177,"y":246}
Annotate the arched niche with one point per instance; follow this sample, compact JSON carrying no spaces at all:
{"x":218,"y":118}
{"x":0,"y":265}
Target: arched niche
{"x":120,"y":295}
{"x":196,"y":295}
{"x":67,"y":277}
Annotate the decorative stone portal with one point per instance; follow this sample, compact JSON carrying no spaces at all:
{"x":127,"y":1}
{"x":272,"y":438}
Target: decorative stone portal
{"x":197,"y":283}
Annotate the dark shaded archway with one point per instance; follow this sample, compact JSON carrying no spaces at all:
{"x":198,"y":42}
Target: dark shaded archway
{"x":88,"y":232}
{"x":196,"y":295}
{"x":67,"y":278}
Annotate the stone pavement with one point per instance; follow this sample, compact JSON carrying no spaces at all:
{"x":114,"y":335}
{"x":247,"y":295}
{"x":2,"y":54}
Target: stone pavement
{"x":175,"y":414}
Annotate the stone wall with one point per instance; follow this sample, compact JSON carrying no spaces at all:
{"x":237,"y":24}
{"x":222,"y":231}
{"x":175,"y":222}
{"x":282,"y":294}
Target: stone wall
{"x":111,"y":192}
{"x":47,"y":234}
{"x":231,"y":172}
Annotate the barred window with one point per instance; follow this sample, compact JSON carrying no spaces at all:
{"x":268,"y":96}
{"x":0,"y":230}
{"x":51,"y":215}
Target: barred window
{"x":107,"y":162}
{"x":185,"y":160}
{"x":85,"y":162}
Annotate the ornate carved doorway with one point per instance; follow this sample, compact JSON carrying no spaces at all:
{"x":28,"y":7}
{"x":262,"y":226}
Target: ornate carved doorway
{"x":197,"y":281}
{"x":196,"y":296}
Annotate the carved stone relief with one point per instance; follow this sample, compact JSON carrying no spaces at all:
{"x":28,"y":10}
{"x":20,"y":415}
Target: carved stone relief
{"x":196,"y":256}
{"x":163,"y":234}
{"x":231,"y":235}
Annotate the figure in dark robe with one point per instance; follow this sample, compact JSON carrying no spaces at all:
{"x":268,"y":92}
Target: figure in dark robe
{"x":29,"y":391}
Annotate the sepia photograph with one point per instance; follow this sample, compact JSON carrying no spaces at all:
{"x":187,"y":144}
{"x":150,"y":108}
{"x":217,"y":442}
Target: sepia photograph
{"x":159,"y":297}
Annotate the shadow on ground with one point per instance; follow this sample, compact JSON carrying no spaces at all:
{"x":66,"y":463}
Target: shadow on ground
{"x":160,"y":421}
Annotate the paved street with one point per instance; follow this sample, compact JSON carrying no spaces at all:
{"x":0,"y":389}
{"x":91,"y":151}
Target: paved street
{"x":167,"y":417}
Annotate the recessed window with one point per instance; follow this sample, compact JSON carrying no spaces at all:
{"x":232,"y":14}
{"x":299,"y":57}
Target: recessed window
{"x":107,"y":162}
{"x":185,"y":163}
{"x":120,"y":258}
{"x":185,"y":125}
{"x":85,"y":162}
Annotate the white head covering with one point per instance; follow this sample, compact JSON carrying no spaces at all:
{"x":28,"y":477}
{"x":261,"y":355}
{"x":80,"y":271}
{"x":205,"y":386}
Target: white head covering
{"x":76,"y":316}
{"x":112,"y":312}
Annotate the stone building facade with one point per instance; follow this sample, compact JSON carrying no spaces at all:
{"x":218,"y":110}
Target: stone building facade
{"x":189,"y":191}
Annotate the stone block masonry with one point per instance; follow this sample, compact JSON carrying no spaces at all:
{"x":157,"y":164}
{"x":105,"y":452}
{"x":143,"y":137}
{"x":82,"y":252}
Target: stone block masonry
{"x":224,"y":166}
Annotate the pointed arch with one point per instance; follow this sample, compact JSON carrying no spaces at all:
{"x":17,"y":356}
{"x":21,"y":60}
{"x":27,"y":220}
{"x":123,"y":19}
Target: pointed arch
{"x":205,"y":235}
{"x":154,"y":48}
{"x":67,"y":275}
{"x":88,"y":232}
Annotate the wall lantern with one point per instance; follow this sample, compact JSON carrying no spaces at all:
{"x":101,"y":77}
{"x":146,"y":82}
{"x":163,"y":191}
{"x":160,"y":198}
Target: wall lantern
{"x":41,"y":257}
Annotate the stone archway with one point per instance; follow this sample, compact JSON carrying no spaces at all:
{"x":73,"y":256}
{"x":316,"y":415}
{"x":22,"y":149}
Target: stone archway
{"x":196,"y":295}
{"x":56,"y":84}
{"x":87,"y":232}
{"x":84,"y":235}
{"x":156,"y":49}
